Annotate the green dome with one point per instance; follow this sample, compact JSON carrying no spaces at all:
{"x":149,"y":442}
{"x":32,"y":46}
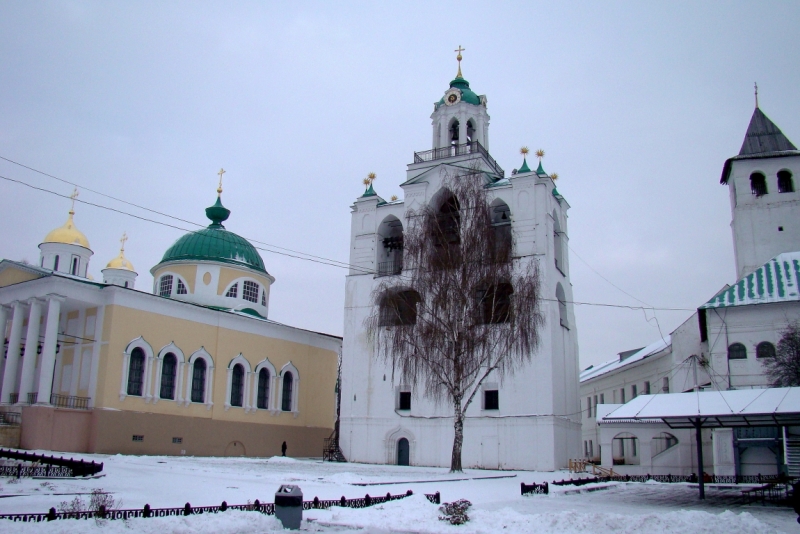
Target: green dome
{"x":215,"y":243}
{"x":467,"y":95}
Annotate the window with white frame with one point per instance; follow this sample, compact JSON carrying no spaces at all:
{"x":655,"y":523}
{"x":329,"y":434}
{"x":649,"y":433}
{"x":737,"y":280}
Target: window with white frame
{"x":199,"y":380}
{"x":288,"y":384}
{"x":237,"y":385}
{"x":169,"y":373}
{"x":262,"y":399}
{"x":181,"y":288}
{"x":264,"y":298}
{"x":250,"y":291}
{"x":136,"y":372}
{"x":165,"y":286}
{"x":233,"y":292}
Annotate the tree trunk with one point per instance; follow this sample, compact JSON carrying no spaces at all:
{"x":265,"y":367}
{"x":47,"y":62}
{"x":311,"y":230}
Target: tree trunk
{"x":458,"y":440}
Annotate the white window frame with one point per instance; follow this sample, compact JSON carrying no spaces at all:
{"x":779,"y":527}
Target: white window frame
{"x":139,"y":343}
{"x":187,"y":398}
{"x":174,"y":289}
{"x":159,"y":364}
{"x":273,"y":375}
{"x":239,"y":298}
{"x":289,"y":367}
{"x":238,"y":360}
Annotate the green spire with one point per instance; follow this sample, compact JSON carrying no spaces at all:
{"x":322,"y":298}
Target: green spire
{"x":524,"y":167}
{"x":540,"y":169}
{"x":370,"y":192}
{"x":217,"y":214}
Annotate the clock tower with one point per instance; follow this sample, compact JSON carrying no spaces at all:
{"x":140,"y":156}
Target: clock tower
{"x":460,"y":117}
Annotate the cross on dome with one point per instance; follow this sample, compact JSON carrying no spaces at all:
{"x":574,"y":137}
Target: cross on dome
{"x":459,"y":58}
{"x":73,"y":196}
{"x":122,"y":241}
{"x":220,"y":173}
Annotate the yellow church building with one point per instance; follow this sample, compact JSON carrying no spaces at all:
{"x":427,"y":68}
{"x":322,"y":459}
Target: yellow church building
{"x":194,"y":367}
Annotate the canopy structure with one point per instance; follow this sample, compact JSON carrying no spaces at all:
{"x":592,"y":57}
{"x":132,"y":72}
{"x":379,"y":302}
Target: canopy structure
{"x":713,"y":409}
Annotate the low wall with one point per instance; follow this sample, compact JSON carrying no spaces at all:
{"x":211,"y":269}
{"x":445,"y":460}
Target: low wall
{"x":9,"y":436}
{"x":55,"y":429}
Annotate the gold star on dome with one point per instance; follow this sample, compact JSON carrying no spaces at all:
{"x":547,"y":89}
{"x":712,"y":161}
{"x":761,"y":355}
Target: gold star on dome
{"x":524,"y":151}
{"x":540,"y":154}
{"x":554,"y":176}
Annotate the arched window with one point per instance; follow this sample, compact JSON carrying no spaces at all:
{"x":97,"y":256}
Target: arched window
{"x":662,"y":442}
{"x":625,"y":449}
{"x":165,"y":285}
{"x":558,"y":245}
{"x":501,"y":231}
{"x":448,"y":222}
{"x":454,"y":127}
{"x":75,"y":266}
{"x":390,"y":255}
{"x":199,"y":380}
{"x":233,"y":291}
{"x":765,"y":349}
{"x":250,"y":291}
{"x":758,"y":184}
{"x":262,"y":401}
{"x":136,"y":372}
{"x":470,"y":131}
{"x":785,"y":183}
{"x":237,"y":385}
{"x":264,"y":298}
{"x":494,"y":303}
{"x":286,"y":401}
{"x":737,"y":351}
{"x":562,"y":305}
{"x":181,"y":288}
{"x":169,"y":368}
{"x":55,"y":263}
{"x":399,"y":308}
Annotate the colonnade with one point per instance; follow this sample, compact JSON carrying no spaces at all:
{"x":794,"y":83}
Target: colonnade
{"x":14,"y":390}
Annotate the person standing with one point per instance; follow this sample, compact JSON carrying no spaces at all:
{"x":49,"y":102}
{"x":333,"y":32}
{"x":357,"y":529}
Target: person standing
{"x":283,"y":449}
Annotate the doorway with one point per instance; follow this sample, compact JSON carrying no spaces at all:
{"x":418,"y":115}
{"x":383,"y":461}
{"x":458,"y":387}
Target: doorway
{"x":402,"y":451}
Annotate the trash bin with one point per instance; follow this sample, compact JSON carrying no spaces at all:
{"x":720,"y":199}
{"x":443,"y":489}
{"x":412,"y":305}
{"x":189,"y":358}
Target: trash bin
{"x":289,"y":506}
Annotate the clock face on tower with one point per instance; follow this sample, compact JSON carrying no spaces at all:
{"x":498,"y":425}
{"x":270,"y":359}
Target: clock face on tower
{"x":453,"y":96}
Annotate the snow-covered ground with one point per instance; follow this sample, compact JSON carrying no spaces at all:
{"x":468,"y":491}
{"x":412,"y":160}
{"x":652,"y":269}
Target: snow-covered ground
{"x":497,"y":503}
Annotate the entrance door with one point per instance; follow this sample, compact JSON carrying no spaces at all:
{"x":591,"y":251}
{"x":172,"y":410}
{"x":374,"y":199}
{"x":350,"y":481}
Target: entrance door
{"x":402,"y":452}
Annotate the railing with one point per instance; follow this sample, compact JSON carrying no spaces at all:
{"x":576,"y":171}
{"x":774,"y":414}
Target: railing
{"x":459,"y":150}
{"x":388,"y":268}
{"x":79,"y":468}
{"x":32,"y":397}
{"x":13,"y":398}
{"x":534,"y":489}
{"x":187,"y":509}
{"x":10,"y":418}
{"x":68,"y":401}
{"x":692,"y":478}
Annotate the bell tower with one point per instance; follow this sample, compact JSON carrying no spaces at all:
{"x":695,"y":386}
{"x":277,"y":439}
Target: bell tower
{"x":460,"y":117}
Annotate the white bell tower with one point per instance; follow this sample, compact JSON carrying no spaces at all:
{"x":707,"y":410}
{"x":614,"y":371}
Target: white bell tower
{"x":460,"y":117}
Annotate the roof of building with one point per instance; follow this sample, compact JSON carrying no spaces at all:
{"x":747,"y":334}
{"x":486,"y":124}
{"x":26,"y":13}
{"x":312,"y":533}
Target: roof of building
{"x":467,"y":94}
{"x":763,"y":136}
{"x":216,"y":244}
{"x":777,"y":280}
{"x":756,"y":407}
{"x":121,"y":262}
{"x":625,"y":358}
{"x":763,"y":139}
{"x":67,"y":234}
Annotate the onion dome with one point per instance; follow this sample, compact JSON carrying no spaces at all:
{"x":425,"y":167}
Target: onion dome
{"x":121,"y":262}
{"x":67,"y":234}
{"x":467,"y":94}
{"x":215,"y":243}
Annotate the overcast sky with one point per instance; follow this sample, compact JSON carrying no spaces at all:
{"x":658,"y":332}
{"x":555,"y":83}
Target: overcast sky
{"x":637,"y":105}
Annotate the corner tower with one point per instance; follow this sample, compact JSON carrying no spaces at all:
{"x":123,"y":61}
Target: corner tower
{"x":66,"y":249}
{"x":765,"y":203}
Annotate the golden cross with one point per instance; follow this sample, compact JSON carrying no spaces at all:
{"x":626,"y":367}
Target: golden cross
{"x":459,"y":58}
{"x":73,"y":196}
{"x":756,"y":84}
{"x":122,"y":241}
{"x":220,"y":173}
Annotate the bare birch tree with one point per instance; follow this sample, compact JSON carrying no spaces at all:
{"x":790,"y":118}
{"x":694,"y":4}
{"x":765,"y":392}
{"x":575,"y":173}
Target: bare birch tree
{"x":462,"y":308}
{"x":783,"y":368}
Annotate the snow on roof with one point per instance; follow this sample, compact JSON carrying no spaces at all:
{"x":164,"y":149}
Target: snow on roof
{"x":777,"y":280}
{"x":619,"y":361}
{"x":758,"y":407}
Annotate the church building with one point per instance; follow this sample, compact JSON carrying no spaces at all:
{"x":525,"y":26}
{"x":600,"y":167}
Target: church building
{"x":194,"y":367}
{"x":528,"y":420}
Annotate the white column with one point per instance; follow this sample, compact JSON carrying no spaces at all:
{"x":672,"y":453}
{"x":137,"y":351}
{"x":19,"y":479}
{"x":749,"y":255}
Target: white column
{"x":12,"y":357}
{"x":45,"y":387}
{"x":209,"y":386}
{"x":228,"y":377}
{"x":4,"y":311}
{"x":31,"y":346}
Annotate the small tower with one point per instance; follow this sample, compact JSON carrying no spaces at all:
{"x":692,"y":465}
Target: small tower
{"x":119,"y":271}
{"x":460,"y":117}
{"x":66,"y":249}
{"x":765,"y":204}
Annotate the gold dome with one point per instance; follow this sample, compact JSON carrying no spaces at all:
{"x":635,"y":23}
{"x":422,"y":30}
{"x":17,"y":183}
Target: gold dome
{"x":67,"y":234}
{"x":120,"y":262}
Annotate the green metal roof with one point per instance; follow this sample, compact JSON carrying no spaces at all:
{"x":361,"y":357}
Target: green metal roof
{"x":467,"y":95}
{"x":524,"y":167}
{"x":540,"y":169}
{"x":775,"y":281}
{"x":215,"y":243}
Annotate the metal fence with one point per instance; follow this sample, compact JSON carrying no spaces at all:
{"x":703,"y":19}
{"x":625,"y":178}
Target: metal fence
{"x":188,"y":509}
{"x":76,"y":468}
{"x":534,"y":489}
{"x":692,"y":478}
{"x":70,"y":401}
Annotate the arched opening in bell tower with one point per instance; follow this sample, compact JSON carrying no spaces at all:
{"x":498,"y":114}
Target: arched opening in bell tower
{"x":470,"y":131}
{"x":454,"y":128}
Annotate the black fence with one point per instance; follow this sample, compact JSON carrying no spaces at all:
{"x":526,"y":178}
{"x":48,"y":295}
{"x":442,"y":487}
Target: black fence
{"x":692,"y":478}
{"x":70,"y":401}
{"x":534,"y":489}
{"x":188,"y":509}
{"x":76,"y":468}
{"x":10,"y":418}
